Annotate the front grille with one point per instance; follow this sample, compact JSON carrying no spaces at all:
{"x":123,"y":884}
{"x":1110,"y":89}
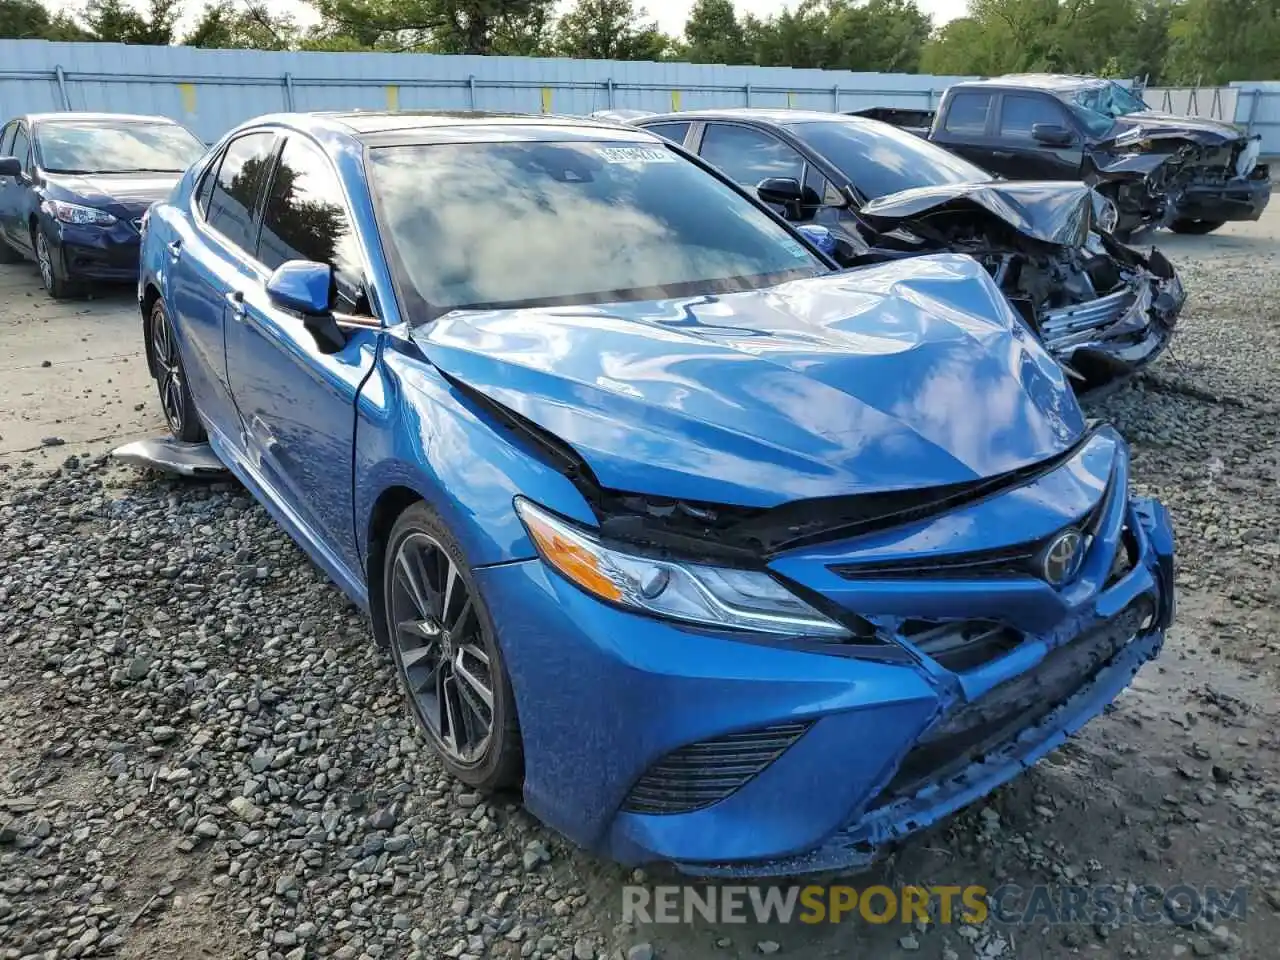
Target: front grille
{"x":978,"y":728}
{"x":1067,"y":326}
{"x":704,"y":773}
{"x":1016,"y":560}
{"x":961,"y":645}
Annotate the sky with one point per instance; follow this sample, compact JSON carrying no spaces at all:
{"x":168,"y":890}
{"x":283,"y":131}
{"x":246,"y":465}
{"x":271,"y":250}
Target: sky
{"x":670,"y":14}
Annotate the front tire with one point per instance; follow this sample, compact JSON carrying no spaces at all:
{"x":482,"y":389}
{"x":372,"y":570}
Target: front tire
{"x":446,"y":654}
{"x":52,"y":276}
{"x":1195,"y":227}
{"x":171,"y":379}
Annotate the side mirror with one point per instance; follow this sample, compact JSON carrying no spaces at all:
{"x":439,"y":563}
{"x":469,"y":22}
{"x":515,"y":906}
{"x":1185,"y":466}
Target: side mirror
{"x":1052,"y":134}
{"x":306,"y":288}
{"x":787,"y":193}
{"x":819,"y":236}
{"x":10,"y":167}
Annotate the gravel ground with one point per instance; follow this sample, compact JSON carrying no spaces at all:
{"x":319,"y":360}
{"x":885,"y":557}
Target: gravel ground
{"x":203,"y":755}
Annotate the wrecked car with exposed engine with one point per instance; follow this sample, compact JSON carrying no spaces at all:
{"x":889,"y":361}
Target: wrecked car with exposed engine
{"x":1190,"y":174}
{"x":723,"y":555}
{"x":1103,"y":308}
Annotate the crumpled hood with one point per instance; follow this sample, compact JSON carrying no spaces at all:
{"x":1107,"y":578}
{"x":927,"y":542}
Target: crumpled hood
{"x":1153,"y":123}
{"x":125,"y":195}
{"x":1050,"y":210}
{"x":904,"y":375}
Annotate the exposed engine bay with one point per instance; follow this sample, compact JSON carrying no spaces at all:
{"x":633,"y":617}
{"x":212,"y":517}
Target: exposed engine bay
{"x":1102,"y":308}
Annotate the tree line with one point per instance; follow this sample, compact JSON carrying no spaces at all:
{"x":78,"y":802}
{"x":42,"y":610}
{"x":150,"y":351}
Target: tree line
{"x":1165,"y":41}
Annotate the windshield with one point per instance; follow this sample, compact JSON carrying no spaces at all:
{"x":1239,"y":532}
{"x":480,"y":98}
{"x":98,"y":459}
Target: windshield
{"x":1099,"y":105}
{"x":127,"y":147}
{"x":500,"y":225}
{"x":879,"y":159}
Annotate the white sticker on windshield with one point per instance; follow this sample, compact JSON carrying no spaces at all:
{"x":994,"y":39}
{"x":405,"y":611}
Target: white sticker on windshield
{"x":636,"y":155}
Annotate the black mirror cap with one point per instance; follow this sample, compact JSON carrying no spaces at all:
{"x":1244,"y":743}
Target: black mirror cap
{"x":1053,"y":134}
{"x":10,"y":167}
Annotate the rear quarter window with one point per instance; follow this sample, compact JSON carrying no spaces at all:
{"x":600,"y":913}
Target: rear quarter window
{"x":967,"y":113}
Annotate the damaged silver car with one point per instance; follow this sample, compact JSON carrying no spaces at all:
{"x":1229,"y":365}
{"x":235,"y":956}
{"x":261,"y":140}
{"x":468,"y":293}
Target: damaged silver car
{"x":1104,"y":309}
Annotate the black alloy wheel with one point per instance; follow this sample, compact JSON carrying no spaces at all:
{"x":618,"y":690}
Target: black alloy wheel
{"x":445,"y":651}
{"x":171,"y":380}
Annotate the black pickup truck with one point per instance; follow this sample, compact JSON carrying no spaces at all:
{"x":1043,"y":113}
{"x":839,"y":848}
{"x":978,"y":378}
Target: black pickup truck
{"x":1188,"y":173}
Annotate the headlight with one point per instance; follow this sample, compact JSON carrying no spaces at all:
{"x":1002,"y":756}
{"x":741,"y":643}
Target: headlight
{"x":723,"y":597}
{"x":74,"y":213}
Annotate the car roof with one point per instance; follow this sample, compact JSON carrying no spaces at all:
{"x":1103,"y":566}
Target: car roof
{"x":779,"y":115}
{"x":450,"y":126}
{"x":74,"y":116}
{"x":1053,"y":82}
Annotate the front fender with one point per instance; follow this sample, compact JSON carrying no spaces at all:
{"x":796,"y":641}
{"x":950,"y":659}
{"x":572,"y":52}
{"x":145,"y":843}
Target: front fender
{"x":415,"y":431}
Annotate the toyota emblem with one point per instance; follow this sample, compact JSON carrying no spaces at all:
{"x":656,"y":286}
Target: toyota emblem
{"x":1061,"y":559}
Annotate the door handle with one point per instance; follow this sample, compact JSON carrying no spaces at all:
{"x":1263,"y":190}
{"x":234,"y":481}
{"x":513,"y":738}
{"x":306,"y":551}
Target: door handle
{"x":175,"y":249}
{"x":1003,"y":154}
{"x":235,"y":300}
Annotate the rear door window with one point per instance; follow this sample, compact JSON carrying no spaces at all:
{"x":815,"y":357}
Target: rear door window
{"x":234,"y":197}
{"x":1020,"y":112}
{"x":968,"y":113}
{"x":747,"y":156}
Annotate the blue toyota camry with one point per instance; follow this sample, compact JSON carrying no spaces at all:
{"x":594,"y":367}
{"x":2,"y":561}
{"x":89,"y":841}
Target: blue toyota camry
{"x":724,"y":556}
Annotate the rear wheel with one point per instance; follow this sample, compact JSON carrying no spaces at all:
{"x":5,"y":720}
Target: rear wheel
{"x":446,"y":654}
{"x":1195,"y":227}
{"x":52,"y":276}
{"x":171,"y":380}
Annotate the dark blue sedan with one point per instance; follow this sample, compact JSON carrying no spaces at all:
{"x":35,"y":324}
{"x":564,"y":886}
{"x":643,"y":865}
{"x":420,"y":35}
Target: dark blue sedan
{"x":724,"y":556}
{"x":74,"y":188}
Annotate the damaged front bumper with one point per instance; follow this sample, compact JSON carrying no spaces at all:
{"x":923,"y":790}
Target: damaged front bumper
{"x":738,"y":755}
{"x":1214,"y":199}
{"x":1103,"y":342}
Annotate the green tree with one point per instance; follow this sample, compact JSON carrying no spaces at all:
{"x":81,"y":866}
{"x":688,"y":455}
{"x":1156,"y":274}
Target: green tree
{"x":713,"y":34}
{"x":609,"y":30}
{"x":115,"y":21}
{"x":1217,"y":41}
{"x":30,"y":20}
{"x":879,"y":35}
{"x":501,"y":27}
{"x":251,"y":28}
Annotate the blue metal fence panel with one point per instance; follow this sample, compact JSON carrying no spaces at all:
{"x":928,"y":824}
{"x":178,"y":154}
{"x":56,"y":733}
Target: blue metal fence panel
{"x":1258,"y":111}
{"x":212,"y":90}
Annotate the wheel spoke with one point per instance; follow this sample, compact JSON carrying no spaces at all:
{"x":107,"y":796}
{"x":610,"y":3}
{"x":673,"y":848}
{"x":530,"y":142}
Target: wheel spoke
{"x":457,"y":623}
{"x":472,"y":680}
{"x":448,"y":688}
{"x":405,"y":567}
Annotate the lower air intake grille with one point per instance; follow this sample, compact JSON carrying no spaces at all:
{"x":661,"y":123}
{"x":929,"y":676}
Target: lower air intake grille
{"x":1008,"y":709}
{"x":704,"y":773}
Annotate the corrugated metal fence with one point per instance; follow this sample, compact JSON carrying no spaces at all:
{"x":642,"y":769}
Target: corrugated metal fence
{"x":212,"y":90}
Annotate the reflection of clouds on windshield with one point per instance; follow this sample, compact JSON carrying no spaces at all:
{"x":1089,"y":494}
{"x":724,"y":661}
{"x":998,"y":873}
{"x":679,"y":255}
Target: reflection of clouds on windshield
{"x":117,"y":149}
{"x":501,"y":224}
{"x":881,"y":159}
